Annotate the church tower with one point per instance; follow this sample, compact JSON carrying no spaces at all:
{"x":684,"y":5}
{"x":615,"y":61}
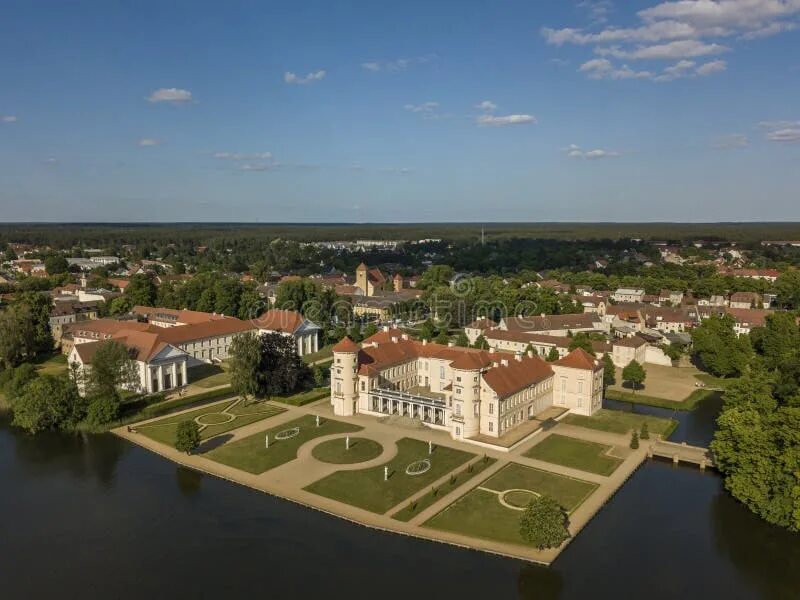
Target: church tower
{"x":344,"y":378}
{"x":362,"y":279}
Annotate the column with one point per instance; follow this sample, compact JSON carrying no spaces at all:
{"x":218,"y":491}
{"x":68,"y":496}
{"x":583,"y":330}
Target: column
{"x":316,"y":341}
{"x":160,"y":378}
{"x":185,"y":375}
{"x":174,"y":374}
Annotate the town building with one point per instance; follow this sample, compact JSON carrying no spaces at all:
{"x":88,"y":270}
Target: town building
{"x":628,"y":295}
{"x":289,"y":322}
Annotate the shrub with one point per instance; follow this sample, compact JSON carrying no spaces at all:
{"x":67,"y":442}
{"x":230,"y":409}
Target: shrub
{"x":634,"y":440}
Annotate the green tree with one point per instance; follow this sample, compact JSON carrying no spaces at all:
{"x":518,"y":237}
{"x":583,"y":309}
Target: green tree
{"x":141,"y":290}
{"x":187,"y":436}
{"x":355,"y":332}
{"x":56,"y":264}
{"x":111,"y":369}
{"x":319,"y":375}
{"x":645,"y":433}
{"x":370,"y":330}
{"x":719,"y":349}
{"x":427,"y":331}
{"x":281,"y":370}
{"x":544,"y":523}
{"x":48,"y":402}
{"x":788,"y":288}
{"x":635,"y":374}
{"x":552,"y":355}
{"x":609,"y":371}
{"x":120,"y":306}
{"x":582,"y":340}
{"x":245,"y":362}
{"x":634,"y":440}
{"x":462,"y":341}
{"x":443,"y":338}
{"x":25,"y":329}
{"x":481,"y":343}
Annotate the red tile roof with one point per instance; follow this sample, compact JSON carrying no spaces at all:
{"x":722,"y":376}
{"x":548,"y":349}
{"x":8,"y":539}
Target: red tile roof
{"x":506,"y":380}
{"x":278,"y":319}
{"x":346,"y":345}
{"x":579,"y":359}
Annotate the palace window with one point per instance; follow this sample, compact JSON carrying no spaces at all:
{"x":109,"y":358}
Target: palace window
{"x":491,"y":408}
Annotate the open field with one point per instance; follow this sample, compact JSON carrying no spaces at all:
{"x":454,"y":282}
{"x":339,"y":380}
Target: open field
{"x":367,"y":489}
{"x":577,"y":454}
{"x":622,"y":422}
{"x":213,"y":419}
{"x":482,"y":513}
{"x":668,"y":383}
{"x":251,"y":455}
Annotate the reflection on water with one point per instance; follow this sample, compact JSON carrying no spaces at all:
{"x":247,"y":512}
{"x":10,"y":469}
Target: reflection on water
{"x":189,"y":481}
{"x":98,"y":517}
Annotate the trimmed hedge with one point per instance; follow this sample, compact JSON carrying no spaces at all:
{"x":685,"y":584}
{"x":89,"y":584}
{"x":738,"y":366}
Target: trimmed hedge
{"x":303,"y":398}
{"x":162,"y":408}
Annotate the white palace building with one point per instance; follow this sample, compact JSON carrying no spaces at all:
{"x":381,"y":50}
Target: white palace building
{"x":476,"y":395}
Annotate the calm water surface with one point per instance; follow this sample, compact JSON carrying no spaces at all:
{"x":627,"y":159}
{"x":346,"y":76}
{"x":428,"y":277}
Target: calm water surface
{"x":96,"y":517}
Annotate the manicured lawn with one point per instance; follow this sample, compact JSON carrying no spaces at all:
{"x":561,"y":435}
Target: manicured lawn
{"x":304,"y":397}
{"x":336,"y":451}
{"x":251,"y":455}
{"x":323,"y":353}
{"x":715,"y":382}
{"x":622,"y":422}
{"x":209,"y":376}
{"x":54,"y":365}
{"x":366,"y":488}
{"x":687,"y":403}
{"x":211,"y":416}
{"x":413,"y":508}
{"x":574,"y":453}
{"x":479,"y":513}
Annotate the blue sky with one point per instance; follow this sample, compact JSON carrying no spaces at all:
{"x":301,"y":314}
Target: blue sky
{"x":400,"y":111}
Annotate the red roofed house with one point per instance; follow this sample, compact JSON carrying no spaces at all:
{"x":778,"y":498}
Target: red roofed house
{"x":476,"y":395}
{"x":370,"y":280}
{"x":160,"y":366}
{"x":291,"y":322}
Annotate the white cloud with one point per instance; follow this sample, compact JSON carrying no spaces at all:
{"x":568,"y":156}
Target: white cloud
{"x":681,"y":29}
{"x":715,"y":66}
{"x":256,"y":167}
{"x":8,"y":119}
{"x":242,"y":155}
{"x":732,"y":140}
{"x":397,"y":64}
{"x":171,"y":95}
{"x":291,"y":78}
{"x":425,"y":107}
{"x":50,"y":161}
{"x":597,"y":10}
{"x":781,"y":131}
{"x":489,"y":120}
{"x":150,"y":142}
{"x":602,"y":68}
{"x":668,"y":51}
{"x":574,"y":151}
{"x":486,"y":106}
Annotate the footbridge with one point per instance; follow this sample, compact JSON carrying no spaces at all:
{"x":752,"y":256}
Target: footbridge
{"x":682,"y":452}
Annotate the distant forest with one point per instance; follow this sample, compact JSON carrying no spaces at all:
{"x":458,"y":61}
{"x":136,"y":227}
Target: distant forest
{"x":67,"y":235}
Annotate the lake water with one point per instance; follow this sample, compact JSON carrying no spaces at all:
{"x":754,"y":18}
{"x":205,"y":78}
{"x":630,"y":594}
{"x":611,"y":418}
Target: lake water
{"x":97,"y":517}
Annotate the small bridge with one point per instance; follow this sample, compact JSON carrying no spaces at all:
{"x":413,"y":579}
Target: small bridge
{"x":682,"y":452}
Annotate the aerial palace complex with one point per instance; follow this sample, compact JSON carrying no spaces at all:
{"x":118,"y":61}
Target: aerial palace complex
{"x":477,"y":395}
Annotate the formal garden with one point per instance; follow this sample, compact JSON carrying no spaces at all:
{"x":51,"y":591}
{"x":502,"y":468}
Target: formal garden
{"x":212,"y":420}
{"x":268,"y":449}
{"x":575,"y":453}
{"x":416,"y":465}
{"x":493,"y":509}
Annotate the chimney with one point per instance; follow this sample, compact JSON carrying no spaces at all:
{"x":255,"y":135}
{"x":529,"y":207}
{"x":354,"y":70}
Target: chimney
{"x":518,"y":356}
{"x":530,"y":353}
{"x":394,"y":339}
{"x":405,"y":336}
{"x":424,"y":342}
{"x":491,"y":350}
{"x":543,"y":315}
{"x":519,"y":316}
{"x":385,"y":328}
{"x":504,"y":362}
{"x":450,"y":344}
